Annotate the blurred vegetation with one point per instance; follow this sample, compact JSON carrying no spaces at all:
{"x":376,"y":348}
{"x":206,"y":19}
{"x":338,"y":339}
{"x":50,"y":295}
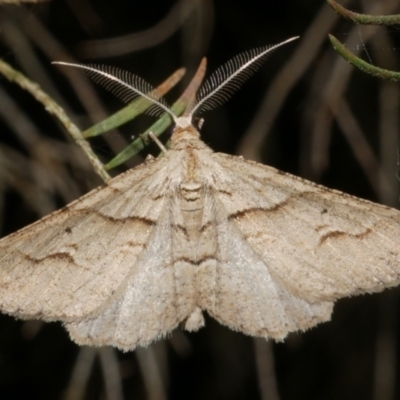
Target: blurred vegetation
{"x":307,"y":111}
{"x":364,"y":19}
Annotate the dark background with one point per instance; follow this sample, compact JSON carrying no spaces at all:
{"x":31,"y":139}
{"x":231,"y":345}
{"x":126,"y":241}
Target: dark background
{"x":306,"y":112}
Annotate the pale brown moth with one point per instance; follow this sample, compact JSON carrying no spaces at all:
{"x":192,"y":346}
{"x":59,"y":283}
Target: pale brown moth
{"x":261,"y":251}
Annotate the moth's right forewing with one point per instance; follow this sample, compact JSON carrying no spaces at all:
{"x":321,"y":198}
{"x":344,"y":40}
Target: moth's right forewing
{"x":68,"y":264}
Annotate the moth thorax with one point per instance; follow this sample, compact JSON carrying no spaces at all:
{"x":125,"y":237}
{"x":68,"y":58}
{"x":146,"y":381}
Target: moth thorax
{"x":188,"y":133}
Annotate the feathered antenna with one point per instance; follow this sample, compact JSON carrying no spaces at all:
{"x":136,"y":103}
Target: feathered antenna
{"x":218,"y":88}
{"x":124,"y":85}
{"x":228,"y":78}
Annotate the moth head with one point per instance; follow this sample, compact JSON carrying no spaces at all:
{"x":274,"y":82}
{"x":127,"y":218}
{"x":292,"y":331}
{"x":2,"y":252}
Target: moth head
{"x":184,"y":121}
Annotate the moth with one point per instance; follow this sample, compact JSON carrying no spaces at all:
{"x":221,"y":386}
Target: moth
{"x":261,"y":251}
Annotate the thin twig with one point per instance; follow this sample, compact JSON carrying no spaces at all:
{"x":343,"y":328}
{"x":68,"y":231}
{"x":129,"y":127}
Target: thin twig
{"x":333,"y":91}
{"x":284,"y":81}
{"x":362,"y":151}
{"x":111,"y":373}
{"x":265,"y":363}
{"x":21,"y":1}
{"x":53,"y":108}
{"x":363,"y":65}
{"x":364,"y":19}
{"x":120,"y":45}
{"x":80,"y":373}
{"x":54,"y":50}
{"x":151,"y":373}
{"x":57,"y":176}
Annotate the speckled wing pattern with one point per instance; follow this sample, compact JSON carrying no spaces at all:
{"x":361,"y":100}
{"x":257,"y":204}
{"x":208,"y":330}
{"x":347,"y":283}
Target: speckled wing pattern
{"x":261,"y":251}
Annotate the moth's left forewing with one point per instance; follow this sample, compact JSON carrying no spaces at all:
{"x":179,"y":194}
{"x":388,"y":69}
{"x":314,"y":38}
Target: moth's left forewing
{"x":155,"y":297}
{"x":321,"y":244}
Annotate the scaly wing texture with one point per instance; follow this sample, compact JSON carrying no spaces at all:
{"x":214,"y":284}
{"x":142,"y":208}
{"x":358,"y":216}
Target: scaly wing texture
{"x":319,"y":244}
{"x":237,"y":288}
{"x":247,"y":297}
{"x":157,"y":295}
{"x":69,"y":263}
